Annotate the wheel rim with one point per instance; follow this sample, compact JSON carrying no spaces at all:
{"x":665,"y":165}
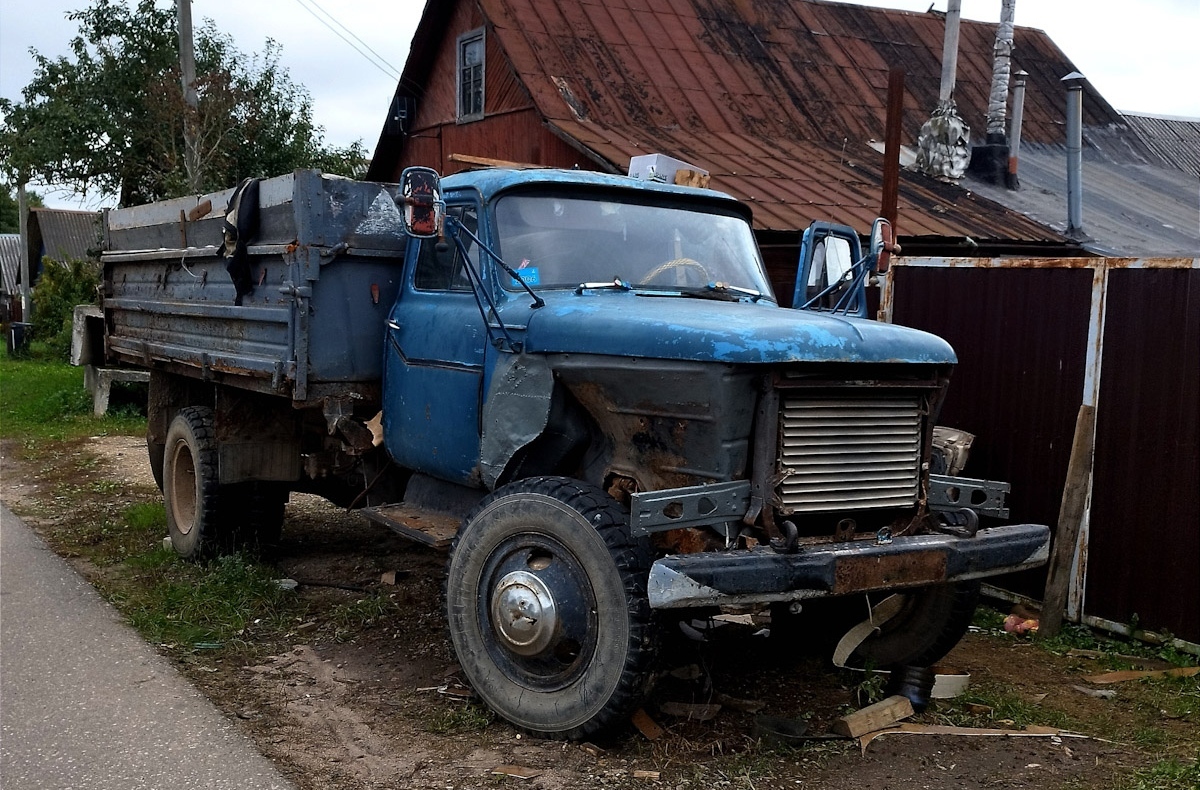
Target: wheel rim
{"x":537,"y":601}
{"x":183,"y":487}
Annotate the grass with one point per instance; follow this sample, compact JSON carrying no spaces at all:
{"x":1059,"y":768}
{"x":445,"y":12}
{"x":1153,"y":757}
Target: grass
{"x":44,"y":401}
{"x":1168,"y":774}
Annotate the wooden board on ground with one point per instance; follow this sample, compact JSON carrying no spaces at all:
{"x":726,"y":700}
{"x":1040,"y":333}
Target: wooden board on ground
{"x":882,"y":714}
{"x":431,"y":529}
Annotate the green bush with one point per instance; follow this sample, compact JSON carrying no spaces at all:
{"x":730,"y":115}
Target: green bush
{"x":60,"y":288}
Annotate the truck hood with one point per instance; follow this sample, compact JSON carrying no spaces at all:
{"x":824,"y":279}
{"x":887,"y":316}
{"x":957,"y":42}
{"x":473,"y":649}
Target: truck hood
{"x":673,"y":327}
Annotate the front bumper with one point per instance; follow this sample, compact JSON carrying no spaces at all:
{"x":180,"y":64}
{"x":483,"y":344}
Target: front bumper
{"x":761,"y":575}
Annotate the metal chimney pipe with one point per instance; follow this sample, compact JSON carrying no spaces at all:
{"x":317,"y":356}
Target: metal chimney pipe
{"x":950,"y":49}
{"x":1014,"y":134}
{"x":1074,"y":82}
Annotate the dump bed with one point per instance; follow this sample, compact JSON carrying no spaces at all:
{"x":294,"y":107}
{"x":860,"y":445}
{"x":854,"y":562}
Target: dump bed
{"x":325,"y":255}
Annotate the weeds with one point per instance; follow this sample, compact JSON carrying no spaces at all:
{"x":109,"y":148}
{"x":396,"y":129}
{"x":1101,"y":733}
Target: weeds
{"x":459,"y":719}
{"x":1169,"y":774}
{"x":350,"y":618}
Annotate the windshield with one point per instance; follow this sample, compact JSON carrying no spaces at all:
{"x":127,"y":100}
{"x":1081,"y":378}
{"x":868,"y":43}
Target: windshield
{"x":563,"y":241}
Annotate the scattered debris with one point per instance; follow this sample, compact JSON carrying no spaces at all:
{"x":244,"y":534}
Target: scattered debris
{"x":739,"y":619}
{"x":287,"y":584}
{"x":456,"y":690}
{"x":1016,"y":624}
{"x":744,"y":705}
{"x":646,"y":725}
{"x":780,"y":730}
{"x":388,"y":578}
{"x":874,"y":717}
{"x":515,"y":771}
{"x":646,"y":775}
{"x":682,"y":710}
{"x":592,"y":749}
{"x":1032,"y":731}
{"x":1097,"y":693}
{"x":975,"y":709}
{"x":689,"y":672}
{"x":1135,"y":674}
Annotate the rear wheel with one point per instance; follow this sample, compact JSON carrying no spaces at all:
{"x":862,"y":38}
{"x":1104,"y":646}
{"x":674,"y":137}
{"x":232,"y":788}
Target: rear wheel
{"x":929,"y":622}
{"x":191,"y":485}
{"x":546,"y":602}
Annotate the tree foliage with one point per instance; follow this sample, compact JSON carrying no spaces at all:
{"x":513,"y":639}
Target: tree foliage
{"x":10,"y":215}
{"x":110,"y":116}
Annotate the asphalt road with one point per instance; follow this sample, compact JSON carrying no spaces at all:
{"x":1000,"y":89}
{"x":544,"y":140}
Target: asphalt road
{"x":85,"y":703}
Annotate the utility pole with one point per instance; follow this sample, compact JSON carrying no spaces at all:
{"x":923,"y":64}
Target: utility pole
{"x":187,"y":70}
{"x":26,"y":269}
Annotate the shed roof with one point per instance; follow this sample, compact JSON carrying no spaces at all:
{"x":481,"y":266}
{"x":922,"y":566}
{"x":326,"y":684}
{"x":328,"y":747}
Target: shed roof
{"x":1175,"y":140}
{"x":10,"y":262}
{"x":1130,"y":209}
{"x":63,"y":235}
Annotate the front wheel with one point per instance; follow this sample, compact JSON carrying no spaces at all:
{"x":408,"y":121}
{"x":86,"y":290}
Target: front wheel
{"x":546,"y":602}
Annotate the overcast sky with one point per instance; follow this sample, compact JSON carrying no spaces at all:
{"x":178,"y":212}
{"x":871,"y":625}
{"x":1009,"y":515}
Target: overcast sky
{"x":1142,"y":57}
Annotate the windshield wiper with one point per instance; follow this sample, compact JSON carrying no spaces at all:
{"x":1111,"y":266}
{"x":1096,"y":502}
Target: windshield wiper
{"x":754,"y":296}
{"x":617,"y":283}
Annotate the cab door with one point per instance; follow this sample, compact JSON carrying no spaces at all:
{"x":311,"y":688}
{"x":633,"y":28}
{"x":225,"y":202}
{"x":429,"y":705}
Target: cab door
{"x":434,"y":361}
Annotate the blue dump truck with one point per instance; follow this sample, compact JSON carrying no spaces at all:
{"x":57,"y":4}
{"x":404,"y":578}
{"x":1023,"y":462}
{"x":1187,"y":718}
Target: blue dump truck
{"x":583,"y":386}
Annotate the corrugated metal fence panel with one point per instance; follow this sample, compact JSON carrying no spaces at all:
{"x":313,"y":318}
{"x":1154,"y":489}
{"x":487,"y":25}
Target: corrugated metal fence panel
{"x":1021,"y":338}
{"x":1144,"y":555}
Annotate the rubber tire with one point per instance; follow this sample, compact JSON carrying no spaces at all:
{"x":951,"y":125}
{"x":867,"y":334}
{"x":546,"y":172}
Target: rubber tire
{"x":931,"y":623}
{"x":156,"y":453}
{"x":584,"y":521}
{"x":191,"y":485}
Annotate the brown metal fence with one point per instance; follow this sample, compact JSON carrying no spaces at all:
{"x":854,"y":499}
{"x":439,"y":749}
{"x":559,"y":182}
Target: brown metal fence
{"x":1035,"y":340}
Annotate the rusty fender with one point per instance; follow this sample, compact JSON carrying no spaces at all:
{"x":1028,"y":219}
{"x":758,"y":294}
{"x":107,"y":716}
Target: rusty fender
{"x":761,"y":575}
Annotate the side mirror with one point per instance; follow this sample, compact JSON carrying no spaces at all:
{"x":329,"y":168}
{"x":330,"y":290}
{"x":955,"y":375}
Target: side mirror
{"x":420,"y":199}
{"x":883,"y":244}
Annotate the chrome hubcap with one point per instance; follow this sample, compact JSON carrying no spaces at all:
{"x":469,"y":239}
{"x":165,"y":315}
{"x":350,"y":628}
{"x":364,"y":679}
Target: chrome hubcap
{"x":524,"y":614}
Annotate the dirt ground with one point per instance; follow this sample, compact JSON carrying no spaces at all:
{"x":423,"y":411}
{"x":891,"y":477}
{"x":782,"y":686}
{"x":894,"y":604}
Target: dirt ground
{"x":377,"y":708}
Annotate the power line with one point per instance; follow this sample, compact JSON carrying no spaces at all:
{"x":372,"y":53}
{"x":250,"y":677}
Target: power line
{"x":351,"y":33}
{"x":377,"y":61}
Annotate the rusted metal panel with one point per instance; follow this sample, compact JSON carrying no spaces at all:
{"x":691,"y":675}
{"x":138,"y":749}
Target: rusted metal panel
{"x":1021,"y":339}
{"x":1144,"y":545}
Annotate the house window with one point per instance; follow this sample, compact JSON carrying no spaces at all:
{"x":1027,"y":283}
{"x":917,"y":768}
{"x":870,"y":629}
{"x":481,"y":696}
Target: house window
{"x":470,"y":76}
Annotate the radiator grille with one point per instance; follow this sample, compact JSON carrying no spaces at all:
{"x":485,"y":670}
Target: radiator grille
{"x":849,"y":453}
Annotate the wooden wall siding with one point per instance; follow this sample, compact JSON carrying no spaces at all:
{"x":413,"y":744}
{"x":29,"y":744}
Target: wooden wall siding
{"x":503,"y":91}
{"x":518,"y":136}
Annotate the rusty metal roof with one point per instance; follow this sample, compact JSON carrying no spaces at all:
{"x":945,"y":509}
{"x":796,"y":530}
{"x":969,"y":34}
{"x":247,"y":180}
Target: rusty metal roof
{"x":10,"y":262}
{"x":805,"y":69}
{"x":777,"y":99}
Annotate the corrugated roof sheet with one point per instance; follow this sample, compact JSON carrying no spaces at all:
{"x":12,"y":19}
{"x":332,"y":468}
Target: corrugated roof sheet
{"x":10,"y":262}
{"x":64,"y":235}
{"x":1129,"y":209}
{"x":1176,"y":140}
{"x":777,"y":99}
